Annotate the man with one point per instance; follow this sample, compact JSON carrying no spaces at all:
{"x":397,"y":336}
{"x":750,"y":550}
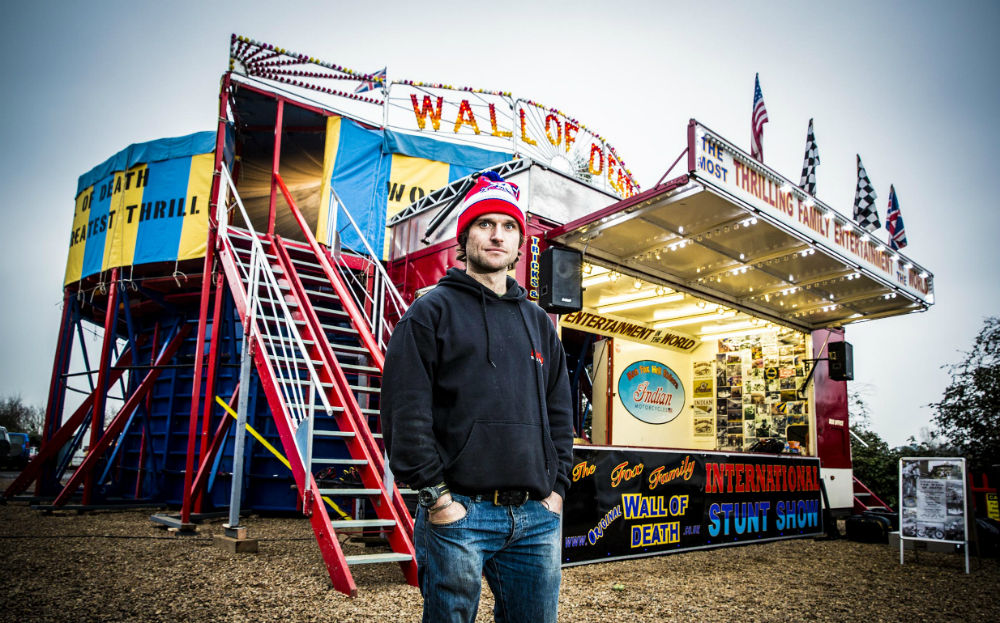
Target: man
{"x":477,"y":417}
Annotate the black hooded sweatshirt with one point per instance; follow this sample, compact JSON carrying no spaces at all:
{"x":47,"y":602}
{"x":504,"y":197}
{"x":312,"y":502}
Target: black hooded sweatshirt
{"x":475,"y":393}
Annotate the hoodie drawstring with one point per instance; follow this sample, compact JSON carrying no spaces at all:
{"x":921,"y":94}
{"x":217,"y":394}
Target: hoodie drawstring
{"x":543,"y":412}
{"x":482,"y":301}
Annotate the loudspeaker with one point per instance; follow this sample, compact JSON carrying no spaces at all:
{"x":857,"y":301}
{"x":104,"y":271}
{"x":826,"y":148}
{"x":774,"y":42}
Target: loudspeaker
{"x":560,"y":280}
{"x":841,"y":361}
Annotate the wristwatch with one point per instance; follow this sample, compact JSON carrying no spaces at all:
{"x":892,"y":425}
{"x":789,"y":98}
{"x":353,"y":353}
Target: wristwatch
{"x":428,"y":496}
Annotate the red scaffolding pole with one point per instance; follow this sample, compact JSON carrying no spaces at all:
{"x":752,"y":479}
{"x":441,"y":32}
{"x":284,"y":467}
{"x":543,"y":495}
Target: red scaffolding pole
{"x":206,"y":286}
{"x":100,"y":400}
{"x":117,"y":425}
{"x":57,"y":387}
{"x":59,"y":438}
{"x":213,"y":372}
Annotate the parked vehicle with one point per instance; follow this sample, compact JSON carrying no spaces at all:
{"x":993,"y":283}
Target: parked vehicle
{"x":13,"y":450}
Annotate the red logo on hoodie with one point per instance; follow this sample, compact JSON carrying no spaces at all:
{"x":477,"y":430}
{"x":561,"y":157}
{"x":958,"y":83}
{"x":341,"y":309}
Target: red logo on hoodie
{"x":537,"y":356}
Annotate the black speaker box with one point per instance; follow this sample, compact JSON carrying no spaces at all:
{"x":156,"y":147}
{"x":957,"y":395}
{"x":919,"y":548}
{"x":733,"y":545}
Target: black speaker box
{"x":560,"y":280}
{"x":841,"y":361}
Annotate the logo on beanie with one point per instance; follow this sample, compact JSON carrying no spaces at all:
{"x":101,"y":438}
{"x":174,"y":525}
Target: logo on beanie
{"x":510,"y":189}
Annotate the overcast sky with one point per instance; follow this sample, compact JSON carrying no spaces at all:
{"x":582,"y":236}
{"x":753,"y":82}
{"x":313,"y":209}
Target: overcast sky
{"x":911,"y":86}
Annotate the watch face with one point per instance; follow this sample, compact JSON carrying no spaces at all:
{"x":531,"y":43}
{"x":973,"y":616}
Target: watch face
{"x":427,"y":497}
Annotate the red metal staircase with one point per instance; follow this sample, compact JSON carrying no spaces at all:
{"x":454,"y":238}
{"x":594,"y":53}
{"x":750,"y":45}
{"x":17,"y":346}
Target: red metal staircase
{"x":320,"y":366}
{"x":865,"y":499}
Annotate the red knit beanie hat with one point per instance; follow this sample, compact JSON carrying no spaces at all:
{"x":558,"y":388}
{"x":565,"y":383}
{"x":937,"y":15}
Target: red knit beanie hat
{"x":491,"y":194}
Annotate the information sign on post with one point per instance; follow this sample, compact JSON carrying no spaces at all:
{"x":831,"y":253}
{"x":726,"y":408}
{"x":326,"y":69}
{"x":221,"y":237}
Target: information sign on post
{"x":932,"y":502}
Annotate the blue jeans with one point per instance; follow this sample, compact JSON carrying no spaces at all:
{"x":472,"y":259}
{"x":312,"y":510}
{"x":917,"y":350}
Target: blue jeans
{"x":516,"y":547}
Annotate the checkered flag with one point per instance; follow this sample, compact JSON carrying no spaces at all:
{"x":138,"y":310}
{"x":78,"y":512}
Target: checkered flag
{"x":865,"y":213}
{"x":808,"y":181}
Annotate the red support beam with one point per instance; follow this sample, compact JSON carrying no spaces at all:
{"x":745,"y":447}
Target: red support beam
{"x":57,"y":387}
{"x":199,"y":360}
{"x":100,"y":401}
{"x":117,"y":425}
{"x":208,"y":456}
{"x":213,"y":370}
{"x":275,"y":161}
{"x":62,"y":436}
{"x":206,"y":285}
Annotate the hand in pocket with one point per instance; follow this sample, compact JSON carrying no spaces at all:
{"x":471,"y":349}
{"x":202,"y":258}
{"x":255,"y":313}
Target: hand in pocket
{"x":449,"y":514}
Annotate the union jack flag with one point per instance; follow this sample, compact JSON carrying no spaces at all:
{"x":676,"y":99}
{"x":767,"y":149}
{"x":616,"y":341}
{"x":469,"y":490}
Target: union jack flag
{"x":894,"y":222}
{"x":371,"y":85}
{"x":757,"y":123}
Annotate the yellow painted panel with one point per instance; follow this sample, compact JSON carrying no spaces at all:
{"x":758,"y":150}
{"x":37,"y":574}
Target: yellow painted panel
{"x":409,"y":180}
{"x":194,"y":231}
{"x":329,"y":160}
{"x":78,"y":240}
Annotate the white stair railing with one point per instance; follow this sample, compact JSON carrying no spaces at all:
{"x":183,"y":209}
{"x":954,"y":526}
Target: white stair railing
{"x":381,"y":296}
{"x":269,"y":318}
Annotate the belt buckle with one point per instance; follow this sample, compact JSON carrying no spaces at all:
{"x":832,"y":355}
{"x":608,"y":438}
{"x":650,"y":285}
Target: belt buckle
{"x":509,"y":498}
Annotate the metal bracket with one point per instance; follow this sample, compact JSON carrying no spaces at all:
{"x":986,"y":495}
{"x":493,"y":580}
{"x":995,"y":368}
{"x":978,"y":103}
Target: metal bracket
{"x":800,"y":393}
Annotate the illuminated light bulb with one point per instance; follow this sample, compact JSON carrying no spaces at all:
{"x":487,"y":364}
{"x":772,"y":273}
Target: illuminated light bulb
{"x":614,"y":276}
{"x":864,"y":238}
{"x":587,"y":268}
{"x":908,"y":266}
{"x":702,"y":304}
{"x":742,"y":257}
{"x":637,"y":284}
{"x":721,"y":311}
{"x":681,"y":229}
{"x":923,"y":275}
{"x":791,"y":278}
{"x":743,"y":270}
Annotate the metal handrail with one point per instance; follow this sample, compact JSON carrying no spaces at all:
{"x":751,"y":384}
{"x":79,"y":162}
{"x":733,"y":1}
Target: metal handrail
{"x":281,"y":344}
{"x":383,"y":289}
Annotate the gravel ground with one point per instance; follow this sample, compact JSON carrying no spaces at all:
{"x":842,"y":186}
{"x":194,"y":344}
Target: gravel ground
{"x":70,"y":570}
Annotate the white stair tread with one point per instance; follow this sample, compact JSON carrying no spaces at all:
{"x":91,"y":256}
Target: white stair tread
{"x":345,"y":525}
{"x":333,"y":433}
{"x":364,"y":559}
{"x":328,"y":295}
{"x":339,"y":461}
{"x":349,"y":492}
{"x":330,"y":327}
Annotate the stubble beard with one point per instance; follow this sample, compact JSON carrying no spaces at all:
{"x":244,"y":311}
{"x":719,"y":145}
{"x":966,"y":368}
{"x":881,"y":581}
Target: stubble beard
{"x":480,"y":263}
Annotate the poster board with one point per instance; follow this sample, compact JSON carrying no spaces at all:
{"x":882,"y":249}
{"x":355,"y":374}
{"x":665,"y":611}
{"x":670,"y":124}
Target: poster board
{"x":629,"y":502}
{"x":932,"y":502}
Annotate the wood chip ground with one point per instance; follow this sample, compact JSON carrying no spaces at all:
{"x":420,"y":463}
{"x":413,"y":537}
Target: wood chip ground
{"x":119,"y":566}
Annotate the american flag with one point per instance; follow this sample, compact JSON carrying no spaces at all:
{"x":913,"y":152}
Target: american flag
{"x":757,"y":122}
{"x":894,"y":222}
{"x":371,"y":85}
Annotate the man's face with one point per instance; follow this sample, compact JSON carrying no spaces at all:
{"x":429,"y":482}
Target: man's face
{"x":493,"y":243}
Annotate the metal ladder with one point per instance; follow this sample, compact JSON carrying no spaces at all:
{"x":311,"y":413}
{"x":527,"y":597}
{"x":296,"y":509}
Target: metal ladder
{"x":301,"y":332}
